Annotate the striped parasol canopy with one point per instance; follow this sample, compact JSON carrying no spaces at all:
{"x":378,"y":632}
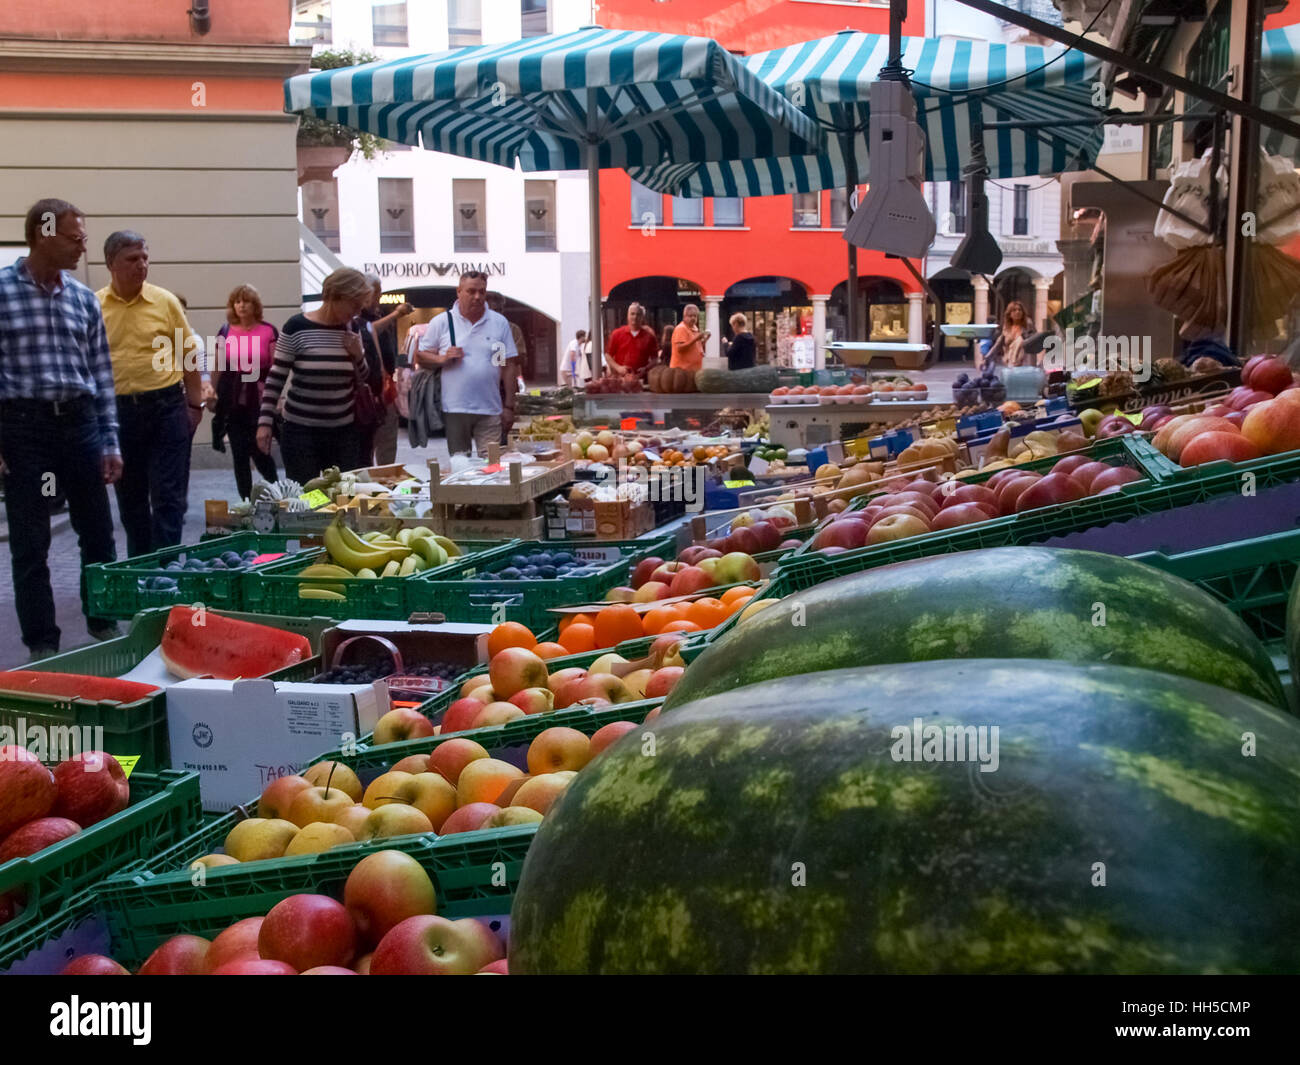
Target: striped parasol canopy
{"x":959,"y":85}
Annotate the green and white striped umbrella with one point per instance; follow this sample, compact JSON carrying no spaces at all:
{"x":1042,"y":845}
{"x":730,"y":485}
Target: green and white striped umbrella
{"x":958,"y":85}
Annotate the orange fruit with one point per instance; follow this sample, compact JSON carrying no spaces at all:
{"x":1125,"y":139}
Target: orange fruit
{"x":617,"y":623}
{"x":574,"y":619}
{"x":510,"y":634}
{"x":680,"y":626}
{"x":738,"y":592}
{"x":550,"y":650}
{"x":740,"y":602}
{"x":578,"y":637}
{"x":654,"y":619}
{"x":707,"y":612}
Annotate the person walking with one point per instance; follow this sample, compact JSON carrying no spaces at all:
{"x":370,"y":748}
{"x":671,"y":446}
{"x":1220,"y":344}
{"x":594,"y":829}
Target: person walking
{"x":473,"y":347}
{"x":158,"y":376}
{"x":58,"y":417}
{"x":666,"y":346}
{"x":1009,"y":347}
{"x":688,"y":341}
{"x":740,"y":356}
{"x":575,"y":368}
{"x":631,"y":349}
{"x":238,"y":380}
{"x":383,"y":327}
{"x":324,"y":353}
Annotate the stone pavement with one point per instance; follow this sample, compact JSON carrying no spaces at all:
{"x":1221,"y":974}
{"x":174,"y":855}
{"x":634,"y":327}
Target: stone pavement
{"x":211,"y":478}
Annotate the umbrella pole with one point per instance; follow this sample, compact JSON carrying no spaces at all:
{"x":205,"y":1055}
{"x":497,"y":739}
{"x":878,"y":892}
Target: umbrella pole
{"x":851,"y":185}
{"x":593,"y":221}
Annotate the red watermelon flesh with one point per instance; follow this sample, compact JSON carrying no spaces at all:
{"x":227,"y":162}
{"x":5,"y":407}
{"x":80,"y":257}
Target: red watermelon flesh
{"x":75,"y":685}
{"x":202,"y":643}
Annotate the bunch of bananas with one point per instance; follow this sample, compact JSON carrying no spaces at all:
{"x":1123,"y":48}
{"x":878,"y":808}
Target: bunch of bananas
{"x":373,"y":556}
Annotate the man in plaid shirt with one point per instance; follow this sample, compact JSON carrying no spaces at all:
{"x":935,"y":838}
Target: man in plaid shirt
{"x":58,"y":416}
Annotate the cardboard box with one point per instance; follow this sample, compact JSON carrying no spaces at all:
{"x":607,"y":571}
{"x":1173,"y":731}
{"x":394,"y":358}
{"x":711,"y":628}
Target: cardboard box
{"x":458,"y":643}
{"x":620,"y":520}
{"x":239,"y":735}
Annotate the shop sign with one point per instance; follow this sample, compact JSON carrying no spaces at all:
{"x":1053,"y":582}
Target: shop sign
{"x":434,"y":269}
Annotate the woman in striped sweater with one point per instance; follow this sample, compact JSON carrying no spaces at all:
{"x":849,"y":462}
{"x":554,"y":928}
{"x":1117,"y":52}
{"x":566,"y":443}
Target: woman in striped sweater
{"x":323,"y":353}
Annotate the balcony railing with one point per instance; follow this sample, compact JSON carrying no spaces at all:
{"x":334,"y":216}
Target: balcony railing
{"x":319,"y":32}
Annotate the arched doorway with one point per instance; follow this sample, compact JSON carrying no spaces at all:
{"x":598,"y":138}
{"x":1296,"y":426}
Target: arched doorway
{"x":776,"y":308}
{"x":882,"y":310}
{"x":538,"y":363}
{"x":1016,"y":283}
{"x":662,"y":297}
{"x":956,"y":307}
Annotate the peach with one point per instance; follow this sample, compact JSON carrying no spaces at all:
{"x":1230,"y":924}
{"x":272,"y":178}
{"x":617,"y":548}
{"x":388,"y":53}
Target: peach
{"x":484,"y":779}
{"x":556,"y":749}
{"x":451,"y":757}
{"x":515,"y":669}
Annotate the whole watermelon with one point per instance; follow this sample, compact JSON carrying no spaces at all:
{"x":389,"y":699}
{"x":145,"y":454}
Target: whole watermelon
{"x":1005,"y":602}
{"x":1135,"y":823}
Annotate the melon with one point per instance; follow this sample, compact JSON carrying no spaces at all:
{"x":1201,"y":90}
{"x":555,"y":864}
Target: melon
{"x":778,"y":829}
{"x":203,"y":643}
{"x":1004,"y":602}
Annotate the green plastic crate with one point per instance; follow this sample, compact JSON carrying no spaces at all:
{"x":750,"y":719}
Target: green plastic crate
{"x":44,"y":947}
{"x":114,"y":587}
{"x":274,"y":589}
{"x":475,"y":874}
{"x":528,"y":601}
{"x":164,"y":810}
{"x":138,"y":727}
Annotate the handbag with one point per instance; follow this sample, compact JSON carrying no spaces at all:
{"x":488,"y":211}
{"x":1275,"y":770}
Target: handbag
{"x":367,"y":409}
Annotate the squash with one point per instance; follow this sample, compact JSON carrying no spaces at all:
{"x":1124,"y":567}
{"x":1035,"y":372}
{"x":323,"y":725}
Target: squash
{"x":755,"y":379}
{"x":654,"y":379}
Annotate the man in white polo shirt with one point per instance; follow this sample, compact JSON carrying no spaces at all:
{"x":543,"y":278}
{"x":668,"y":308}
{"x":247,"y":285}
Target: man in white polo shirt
{"x":473,"y":347}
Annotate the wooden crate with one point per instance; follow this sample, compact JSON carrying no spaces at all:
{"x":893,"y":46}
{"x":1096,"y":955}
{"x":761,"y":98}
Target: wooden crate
{"x":446,"y":521}
{"x":518,"y":489}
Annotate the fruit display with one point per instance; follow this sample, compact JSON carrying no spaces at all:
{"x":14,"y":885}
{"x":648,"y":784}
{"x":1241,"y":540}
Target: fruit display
{"x":203,"y":643}
{"x":384,"y":922}
{"x":540,"y":565}
{"x":373,"y":556}
{"x":75,"y":686}
{"x":771,"y":453}
{"x":705,"y":858}
{"x":669,"y":379}
{"x":986,"y":387}
{"x":546,"y":428}
{"x":698,"y":568}
{"x":603,"y":446}
{"x":373,"y":669}
{"x":613,"y":384}
{"x":1022,"y":602}
{"x":226,"y":561}
{"x":1004,"y":450}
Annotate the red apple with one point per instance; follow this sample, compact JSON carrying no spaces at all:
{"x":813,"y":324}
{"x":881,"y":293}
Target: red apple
{"x":1010,"y":490}
{"x":602,"y":686}
{"x":329,"y":970}
{"x":469,"y":818}
{"x":93,"y":965}
{"x":665,"y":573}
{"x":923,"y":516}
{"x":500,"y":967}
{"x":1070,"y":463}
{"x":696,"y":552}
{"x":1240,"y":398}
{"x":1053,"y":489}
{"x":1188,"y":430}
{"x":790,"y":545}
{"x":996,"y":478}
{"x":383,"y":890}
{"x":460,"y":715}
{"x":843,"y":534}
{"x":1085,"y":473}
{"x":1218,"y":446}
{"x":1248,"y":371}
{"x":962,"y":514}
{"x":1113,"y":478}
{"x":534,"y":700}
{"x":237,"y":941}
{"x":27,"y":788}
{"x":182,"y":955}
{"x":923,"y":502}
{"x":642,"y":570}
{"x":401,"y":723}
{"x":607,"y":735}
{"x":896,"y":527}
{"x":744,"y":539}
{"x":1238,"y":417}
{"x":515,"y":669}
{"x":1273,"y":426}
{"x":1271,"y":376}
{"x":449,"y":758}
{"x":434,"y":946}
{"x":690,"y":580}
{"x":971,"y":493}
{"x":930,"y":488}
{"x":498,"y":713}
{"x":278,"y":796}
{"x":36,"y":836}
{"x":254,"y":967}
{"x":91,"y":786}
{"x":769,"y":536}
{"x":662,"y":681}
{"x":651,"y":592}
{"x":305,"y":931}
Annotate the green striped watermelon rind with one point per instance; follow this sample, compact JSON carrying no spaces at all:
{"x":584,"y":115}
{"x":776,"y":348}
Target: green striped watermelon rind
{"x":770,"y":830}
{"x":1003,"y":602}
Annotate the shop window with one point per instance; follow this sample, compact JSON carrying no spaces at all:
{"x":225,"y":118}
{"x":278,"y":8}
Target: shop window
{"x":539,"y":215}
{"x":839,"y":209}
{"x":957,"y":205}
{"x":535,"y":18}
{"x":320,"y":211}
{"x":396,"y":215}
{"x":647,"y":205}
{"x":464,"y":23}
{"x":688,"y":211}
{"x":469,"y":207}
{"x":728,"y":211}
{"x":807,"y":210}
{"x":311,"y":23}
{"x":1020,"y":219}
{"x":390,"y":25}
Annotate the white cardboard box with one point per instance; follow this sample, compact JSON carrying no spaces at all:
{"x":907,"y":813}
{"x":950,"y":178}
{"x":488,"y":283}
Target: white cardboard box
{"x":239,"y":735}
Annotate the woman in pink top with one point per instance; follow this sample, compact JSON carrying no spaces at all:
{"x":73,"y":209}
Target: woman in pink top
{"x":238,"y":380}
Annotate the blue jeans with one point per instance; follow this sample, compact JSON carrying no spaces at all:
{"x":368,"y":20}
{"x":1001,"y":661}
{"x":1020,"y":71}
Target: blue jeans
{"x":153,"y":493}
{"x":36,"y":440}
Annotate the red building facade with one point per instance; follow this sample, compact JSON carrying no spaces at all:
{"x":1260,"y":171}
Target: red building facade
{"x":780,"y":260}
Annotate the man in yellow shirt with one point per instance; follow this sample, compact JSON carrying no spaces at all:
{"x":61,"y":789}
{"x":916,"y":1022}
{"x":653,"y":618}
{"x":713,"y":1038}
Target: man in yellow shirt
{"x":157,"y":374}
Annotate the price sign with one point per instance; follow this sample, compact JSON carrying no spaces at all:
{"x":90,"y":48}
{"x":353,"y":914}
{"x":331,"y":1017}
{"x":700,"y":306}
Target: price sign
{"x":127,"y":761}
{"x":315,"y":498}
{"x":737,"y":484}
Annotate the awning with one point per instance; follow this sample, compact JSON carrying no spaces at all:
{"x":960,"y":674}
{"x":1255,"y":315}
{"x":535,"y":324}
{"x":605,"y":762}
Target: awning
{"x":958,"y":86}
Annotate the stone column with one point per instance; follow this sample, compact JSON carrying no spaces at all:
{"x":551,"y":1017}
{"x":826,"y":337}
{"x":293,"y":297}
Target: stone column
{"x":819,"y":331}
{"x":1041,"y":285}
{"x":713,"y":349}
{"x":916,"y":317}
{"x":981,"y":313}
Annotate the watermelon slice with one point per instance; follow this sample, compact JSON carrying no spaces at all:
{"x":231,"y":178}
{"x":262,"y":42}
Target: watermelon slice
{"x":209,"y":645}
{"x":75,"y":685}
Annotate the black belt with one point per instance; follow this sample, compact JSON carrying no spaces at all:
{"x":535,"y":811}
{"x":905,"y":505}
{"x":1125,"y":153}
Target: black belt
{"x":59,"y":408}
{"x":156,"y":395}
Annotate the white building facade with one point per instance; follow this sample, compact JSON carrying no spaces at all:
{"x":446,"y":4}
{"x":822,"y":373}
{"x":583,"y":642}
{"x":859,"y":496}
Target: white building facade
{"x":419,"y":218}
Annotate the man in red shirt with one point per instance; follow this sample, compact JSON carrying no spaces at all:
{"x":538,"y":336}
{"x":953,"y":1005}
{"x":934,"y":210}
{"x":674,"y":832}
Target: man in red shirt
{"x":632,"y":348}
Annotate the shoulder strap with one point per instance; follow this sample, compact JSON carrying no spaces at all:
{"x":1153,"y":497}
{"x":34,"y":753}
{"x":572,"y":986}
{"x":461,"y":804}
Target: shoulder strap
{"x":451,"y":328}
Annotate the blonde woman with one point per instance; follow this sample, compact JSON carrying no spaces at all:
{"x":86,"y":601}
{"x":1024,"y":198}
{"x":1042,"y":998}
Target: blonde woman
{"x":323,"y":350}
{"x":741,"y":354}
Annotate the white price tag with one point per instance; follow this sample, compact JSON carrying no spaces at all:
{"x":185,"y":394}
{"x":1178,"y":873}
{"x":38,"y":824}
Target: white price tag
{"x":758,"y":466}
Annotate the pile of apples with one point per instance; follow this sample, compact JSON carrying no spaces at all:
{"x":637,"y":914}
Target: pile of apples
{"x":40,"y":807}
{"x":923,"y":506}
{"x":384,"y":925}
{"x":1259,"y":417}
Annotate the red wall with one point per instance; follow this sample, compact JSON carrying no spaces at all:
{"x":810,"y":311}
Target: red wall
{"x":233,"y":21}
{"x":717,"y":258}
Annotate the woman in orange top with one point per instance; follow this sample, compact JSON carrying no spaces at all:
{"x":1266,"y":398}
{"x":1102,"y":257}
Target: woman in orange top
{"x":688,"y":341}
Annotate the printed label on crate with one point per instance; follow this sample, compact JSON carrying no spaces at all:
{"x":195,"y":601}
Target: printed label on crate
{"x":597,"y":554}
{"x":315,"y":498}
{"x":128,"y":762}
